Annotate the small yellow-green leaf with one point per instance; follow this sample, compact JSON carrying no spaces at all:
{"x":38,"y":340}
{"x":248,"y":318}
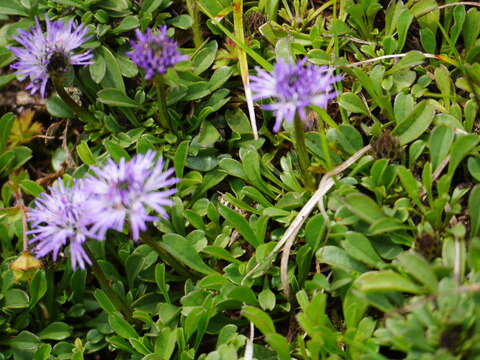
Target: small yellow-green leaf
{"x":385,"y":281}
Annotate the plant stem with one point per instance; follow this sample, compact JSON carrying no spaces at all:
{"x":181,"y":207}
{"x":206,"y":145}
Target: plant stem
{"x":112,"y":295}
{"x":196,"y":29}
{"x":82,"y":114}
{"x":324,"y":141}
{"x":243,"y":63}
{"x":301,"y":148}
{"x":164,"y":255}
{"x":162,"y":112}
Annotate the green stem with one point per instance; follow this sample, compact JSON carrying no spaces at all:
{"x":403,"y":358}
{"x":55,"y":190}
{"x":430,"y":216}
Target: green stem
{"x":196,"y":28}
{"x":161,"y":95}
{"x":82,"y":114}
{"x":106,"y":287}
{"x":325,"y":149}
{"x":301,"y":148}
{"x":165,"y":255}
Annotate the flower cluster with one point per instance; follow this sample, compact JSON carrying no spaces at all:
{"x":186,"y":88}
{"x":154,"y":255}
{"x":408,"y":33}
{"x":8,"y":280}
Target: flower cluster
{"x":49,"y":53}
{"x":154,"y":51}
{"x":295,"y":87}
{"x":116,"y":194}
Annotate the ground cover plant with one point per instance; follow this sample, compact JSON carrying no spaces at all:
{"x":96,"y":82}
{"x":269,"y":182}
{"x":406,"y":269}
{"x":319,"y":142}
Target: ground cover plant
{"x":220,"y":179}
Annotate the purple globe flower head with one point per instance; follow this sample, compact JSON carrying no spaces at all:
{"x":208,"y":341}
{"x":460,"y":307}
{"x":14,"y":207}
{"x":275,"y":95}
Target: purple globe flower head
{"x":295,"y":87}
{"x":127,"y":191}
{"x":60,"y":218}
{"x":49,"y":53}
{"x":154,"y":51}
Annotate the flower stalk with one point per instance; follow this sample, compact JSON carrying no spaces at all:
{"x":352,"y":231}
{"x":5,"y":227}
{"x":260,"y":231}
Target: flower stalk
{"x":147,"y":239}
{"x":119,"y":304}
{"x":163,"y":117}
{"x":301,"y":149}
{"x":81,"y":113}
{"x":196,"y":28}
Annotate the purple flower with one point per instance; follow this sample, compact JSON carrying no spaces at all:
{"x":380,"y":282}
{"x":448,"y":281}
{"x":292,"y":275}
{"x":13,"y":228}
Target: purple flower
{"x":154,"y":51}
{"x":50,"y":53}
{"x":59,"y":218}
{"x":126,"y":191}
{"x":295,"y":87}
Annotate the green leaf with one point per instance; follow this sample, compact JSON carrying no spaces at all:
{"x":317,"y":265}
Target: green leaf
{"x":43,"y":352}
{"x":403,"y":106}
{"x":315,"y":231}
{"x":24,"y":345}
{"x":338,"y":258}
{"x":207,"y":136}
{"x":474,"y":167}
{"x":220,"y":77}
{"x":364,"y":207}
{"x":31,"y":187}
{"x":6,"y":123}
{"x":440,"y":141}
{"x":461,"y":148}
{"x":37,"y":287}
{"x":413,"y":58}
{"x":129,"y":22}
{"x":183,"y":21}
{"x":419,"y":269}
{"x":240,"y":224}
{"x":183,"y":250}
{"x":232,"y":167}
{"x":115,"y":97}
{"x":352,"y":102}
{"x":428,"y":40}
{"x":116,"y":151}
{"x":384,"y":281}
{"x":260,"y":319}
{"x":410,"y":184}
{"x":243,"y":294}
{"x":181,"y":158}
{"x":85,"y":154}
{"x":164,"y":344}
{"x":149,"y":6}
{"x":120,"y":343}
{"x":161,"y":282}
{"x":385,"y":225}
{"x":121,"y":326}
{"x":238,"y":121}
{"x":9,"y":7}
{"x":415,"y":124}
{"x":113,"y":76}
{"x":133,"y":266}
{"x":56,"y":331}
{"x":104,"y":301}
{"x":459,"y":15}
{"x":375,"y":91}
{"x":57,"y":108}
{"x":139,"y":346}
{"x":16,"y":299}
{"x":197,"y":90}
{"x":251,"y":167}
{"x":471,"y":28}
{"x":98,"y":69}
{"x":219,"y":253}
{"x":349,"y":139}
{"x":204,"y":58}
{"x":22,"y":155}
{"x":280,"y":345}
{"x":474,"y":210}
{"x":266,"y":299}
{"x":359,"y":247}
{"x":444,"y":81}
